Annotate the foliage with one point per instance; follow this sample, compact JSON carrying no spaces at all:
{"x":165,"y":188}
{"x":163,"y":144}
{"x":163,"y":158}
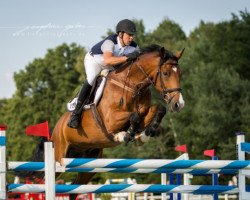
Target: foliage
{"x":216,"y":67}
{"x":106,"y":196}
{"x":43,"y":88}
{"x":168,"y":34}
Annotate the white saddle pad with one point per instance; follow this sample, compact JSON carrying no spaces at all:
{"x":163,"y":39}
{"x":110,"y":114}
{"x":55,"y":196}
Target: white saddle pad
{"x":72,"y":104}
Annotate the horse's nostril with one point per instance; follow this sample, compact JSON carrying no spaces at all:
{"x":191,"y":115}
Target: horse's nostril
{"x":176,"y":105}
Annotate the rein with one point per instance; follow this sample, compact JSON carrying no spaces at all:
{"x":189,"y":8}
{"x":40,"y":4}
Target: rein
{"x":165,"y":91}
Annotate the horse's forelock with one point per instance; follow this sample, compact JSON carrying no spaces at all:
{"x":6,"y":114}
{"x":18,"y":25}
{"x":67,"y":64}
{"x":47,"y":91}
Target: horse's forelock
{"x":169,"y":55}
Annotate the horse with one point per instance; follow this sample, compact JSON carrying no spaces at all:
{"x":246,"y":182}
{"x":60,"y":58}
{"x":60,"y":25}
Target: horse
{"x":125,"y":112}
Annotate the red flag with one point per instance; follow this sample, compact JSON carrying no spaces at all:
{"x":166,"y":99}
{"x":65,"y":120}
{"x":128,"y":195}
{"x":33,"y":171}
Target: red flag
{"x":3,"y":127}
{"x":41,"y":129}
{"x":209,"y":152}
{"x":181,"y":148}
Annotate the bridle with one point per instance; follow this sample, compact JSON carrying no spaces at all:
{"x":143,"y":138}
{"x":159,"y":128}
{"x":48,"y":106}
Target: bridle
{"x":165,"y":91}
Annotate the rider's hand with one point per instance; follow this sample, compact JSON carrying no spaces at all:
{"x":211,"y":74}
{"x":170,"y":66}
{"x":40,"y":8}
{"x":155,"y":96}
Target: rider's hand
{"x":132,"y":56}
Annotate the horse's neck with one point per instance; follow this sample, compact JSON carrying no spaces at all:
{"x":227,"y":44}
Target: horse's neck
{"x":143,"y":70}
{"x":134,"y":74}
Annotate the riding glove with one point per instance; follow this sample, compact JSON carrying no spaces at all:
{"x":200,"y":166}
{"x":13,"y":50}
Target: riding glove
{"x":132,"y":56}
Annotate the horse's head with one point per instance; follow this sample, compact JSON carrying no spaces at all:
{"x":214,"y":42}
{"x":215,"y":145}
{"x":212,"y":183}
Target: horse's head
{"x":166,"y":77}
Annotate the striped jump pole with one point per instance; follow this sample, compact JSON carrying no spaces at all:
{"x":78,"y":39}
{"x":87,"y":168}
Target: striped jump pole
{"x":3,"y":162}
{"x":241,"y":148}
{"x":50,"y":170}
{"x":123,"y":188}
{"x":154,"y":163}
{"x":48,"y":166}
{"x":125,"y":165}
{"x":40,"y":166}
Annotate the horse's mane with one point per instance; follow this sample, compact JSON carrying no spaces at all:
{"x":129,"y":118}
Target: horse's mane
{"x":150,"y":49}
{"x":157,"y":48}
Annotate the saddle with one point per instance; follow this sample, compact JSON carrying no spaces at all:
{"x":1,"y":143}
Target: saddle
{"x":95,"y":94}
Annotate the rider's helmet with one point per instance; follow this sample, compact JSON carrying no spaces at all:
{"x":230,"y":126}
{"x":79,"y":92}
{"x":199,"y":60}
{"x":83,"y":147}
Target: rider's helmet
{"x":126,"y":26}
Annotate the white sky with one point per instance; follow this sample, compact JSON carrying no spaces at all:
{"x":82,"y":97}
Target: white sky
{"x":29,"y":27}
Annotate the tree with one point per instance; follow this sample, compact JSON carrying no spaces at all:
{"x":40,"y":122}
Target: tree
{"x":43,"y":88}
{"x":168,"y":34}
{"x":215,"y":86}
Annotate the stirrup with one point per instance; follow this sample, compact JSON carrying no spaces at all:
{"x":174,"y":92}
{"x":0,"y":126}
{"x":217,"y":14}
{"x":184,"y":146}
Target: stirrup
{"x":71,"y":105}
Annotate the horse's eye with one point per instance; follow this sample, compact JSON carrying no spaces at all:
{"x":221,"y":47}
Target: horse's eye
{"x":167,"y":73}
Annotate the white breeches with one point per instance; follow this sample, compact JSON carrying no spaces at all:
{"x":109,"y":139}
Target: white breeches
{"x":93,"y":66}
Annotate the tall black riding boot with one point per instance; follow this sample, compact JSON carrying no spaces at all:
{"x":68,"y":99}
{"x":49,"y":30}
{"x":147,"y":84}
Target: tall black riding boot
{"x":74,"y":121}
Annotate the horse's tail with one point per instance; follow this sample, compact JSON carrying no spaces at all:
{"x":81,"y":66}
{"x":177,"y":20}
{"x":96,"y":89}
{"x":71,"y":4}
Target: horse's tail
{"x":38,"y":156}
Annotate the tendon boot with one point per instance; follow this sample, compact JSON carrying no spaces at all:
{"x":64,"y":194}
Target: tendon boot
{"x":74,"y":121}
{"x":130,"y":136}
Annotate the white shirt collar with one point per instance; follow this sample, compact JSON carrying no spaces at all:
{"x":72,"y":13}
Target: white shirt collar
{"x":119,"y":43}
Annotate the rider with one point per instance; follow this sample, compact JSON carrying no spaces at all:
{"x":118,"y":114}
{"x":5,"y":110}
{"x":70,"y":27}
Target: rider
{"x":113,"y":50}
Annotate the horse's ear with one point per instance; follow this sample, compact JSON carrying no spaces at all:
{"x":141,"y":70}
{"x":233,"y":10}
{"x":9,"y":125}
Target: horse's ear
{"x":179,"y":54}
{"x":162,"y":52}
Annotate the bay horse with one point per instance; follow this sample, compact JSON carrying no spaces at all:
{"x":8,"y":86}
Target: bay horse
{"x":124,"y":112}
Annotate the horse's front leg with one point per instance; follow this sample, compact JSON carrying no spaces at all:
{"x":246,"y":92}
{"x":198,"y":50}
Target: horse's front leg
{"x":151,"y":121}
{"x":134,"y":120}
{"x":159,"y":114}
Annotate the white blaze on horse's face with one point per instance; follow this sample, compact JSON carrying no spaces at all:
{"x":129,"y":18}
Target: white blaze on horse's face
{"x":171,"y":76}
{"x":180,"y":104}
{"x":181,"y":101}
{"x":176,"y":100}
{"x":174,"y":69}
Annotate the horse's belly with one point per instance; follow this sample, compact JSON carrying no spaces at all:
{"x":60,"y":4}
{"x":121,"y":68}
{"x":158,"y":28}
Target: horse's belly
{"x":90,"y":135}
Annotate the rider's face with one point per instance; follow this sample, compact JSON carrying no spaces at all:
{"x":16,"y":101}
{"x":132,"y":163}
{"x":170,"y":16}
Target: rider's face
{"x":127,"y":38}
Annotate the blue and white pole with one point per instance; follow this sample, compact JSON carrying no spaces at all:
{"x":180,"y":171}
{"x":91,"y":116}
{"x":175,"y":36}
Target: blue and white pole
{"x":50,"y":170}
{"x":124,"y":188}
{"x":39,"y":166}
{"x":154,"y":163}
{"x":3,"y":162}
{"x":241,"y":149}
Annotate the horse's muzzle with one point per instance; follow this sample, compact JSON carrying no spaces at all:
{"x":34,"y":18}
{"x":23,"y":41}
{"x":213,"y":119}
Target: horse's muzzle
{"x":176,"y":102}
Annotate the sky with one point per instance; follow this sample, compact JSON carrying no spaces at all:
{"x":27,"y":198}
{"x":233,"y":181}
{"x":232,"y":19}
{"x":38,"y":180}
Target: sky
{"x":28,"y":28}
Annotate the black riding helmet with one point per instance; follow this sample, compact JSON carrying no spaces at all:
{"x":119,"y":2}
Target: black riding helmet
{"x":126,"y":26}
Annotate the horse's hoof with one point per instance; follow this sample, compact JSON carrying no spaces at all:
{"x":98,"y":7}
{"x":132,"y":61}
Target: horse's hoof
{"x":128,"y":138}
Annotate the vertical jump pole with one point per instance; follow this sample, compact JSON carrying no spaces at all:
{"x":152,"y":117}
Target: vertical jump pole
{"x":49,"y":158}
{"x":186,"y":178}
{"x":3,"y":194}
{"x":241,"y":156}
{"x":215,"y":180}
{"x":163,"y":182}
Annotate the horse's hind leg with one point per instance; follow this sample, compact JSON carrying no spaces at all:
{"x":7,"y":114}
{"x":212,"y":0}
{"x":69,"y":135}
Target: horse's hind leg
{"x":84,"y":178}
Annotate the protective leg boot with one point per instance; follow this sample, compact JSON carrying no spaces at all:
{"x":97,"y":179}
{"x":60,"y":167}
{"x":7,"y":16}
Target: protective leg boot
{"x":74,"y":121}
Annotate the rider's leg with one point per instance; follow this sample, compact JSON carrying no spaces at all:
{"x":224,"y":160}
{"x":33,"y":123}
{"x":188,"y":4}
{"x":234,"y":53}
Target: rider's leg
{"x":74,"y":121}
{"x":92,"y":69}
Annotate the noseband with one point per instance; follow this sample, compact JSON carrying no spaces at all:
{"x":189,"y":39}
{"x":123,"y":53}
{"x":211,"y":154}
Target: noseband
{"x":165,"y":91}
